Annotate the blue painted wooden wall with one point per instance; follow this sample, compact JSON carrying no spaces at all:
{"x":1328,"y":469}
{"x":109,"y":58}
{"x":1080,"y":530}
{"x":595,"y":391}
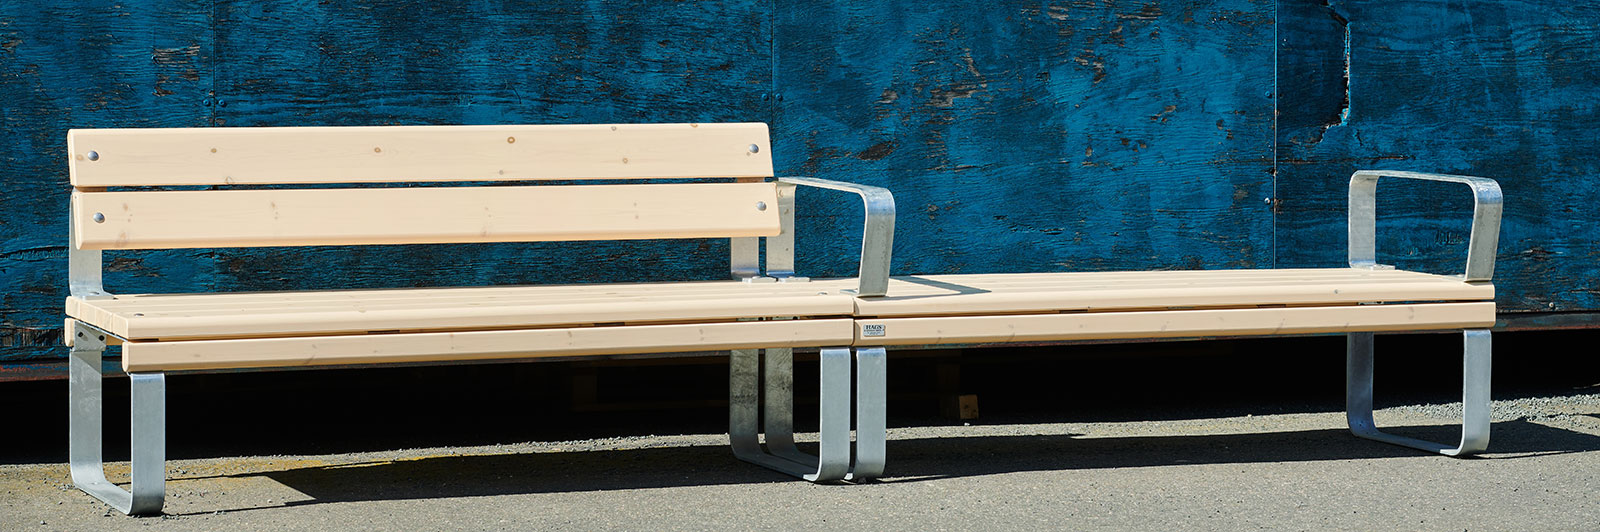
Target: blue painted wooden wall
{"x":1506,"y":89}
{"x":1017,"y":136}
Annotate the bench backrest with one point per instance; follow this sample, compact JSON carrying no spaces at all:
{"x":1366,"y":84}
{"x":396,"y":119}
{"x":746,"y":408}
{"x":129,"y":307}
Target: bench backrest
{"x":113,"y":169}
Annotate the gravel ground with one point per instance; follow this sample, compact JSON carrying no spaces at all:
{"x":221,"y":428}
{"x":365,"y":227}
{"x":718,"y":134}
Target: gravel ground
{"x":1293,"y":471}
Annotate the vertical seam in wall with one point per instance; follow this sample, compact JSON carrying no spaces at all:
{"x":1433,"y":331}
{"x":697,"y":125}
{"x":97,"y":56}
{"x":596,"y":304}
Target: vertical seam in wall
{"x":772,"y":77}
{"x":211,"y":56}
{"x":1275,"y":201}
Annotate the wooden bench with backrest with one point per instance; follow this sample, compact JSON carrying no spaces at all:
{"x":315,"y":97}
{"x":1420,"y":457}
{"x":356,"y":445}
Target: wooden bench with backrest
{"x":1358,"y":300}
{"x":325,"y":186}
{"x":760,"y":317}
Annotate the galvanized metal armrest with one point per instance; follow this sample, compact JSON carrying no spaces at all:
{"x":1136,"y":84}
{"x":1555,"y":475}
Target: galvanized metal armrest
{"x":1485,"y":219}
{"x":877,"y":237}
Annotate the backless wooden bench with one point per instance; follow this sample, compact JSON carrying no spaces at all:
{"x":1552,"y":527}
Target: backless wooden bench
{"x":320,"y":186}
{"x":1357,"y":301}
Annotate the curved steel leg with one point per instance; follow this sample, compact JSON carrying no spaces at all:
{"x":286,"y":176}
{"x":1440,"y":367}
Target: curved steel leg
{"x":149,"y":410}
{"x":744,"y":417}
{"x":781,"y":454}
{"x":744,"y":403}
{"x":1477,"y":352}
{"x":872,"y":430}
{"x":777,"y":405}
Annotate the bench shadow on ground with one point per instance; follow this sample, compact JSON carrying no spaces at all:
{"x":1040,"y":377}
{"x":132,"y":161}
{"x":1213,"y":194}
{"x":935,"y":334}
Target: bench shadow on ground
{"x":911,"y":460}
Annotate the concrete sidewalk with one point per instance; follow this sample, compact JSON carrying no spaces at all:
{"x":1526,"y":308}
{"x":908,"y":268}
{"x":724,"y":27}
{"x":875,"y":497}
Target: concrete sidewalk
{"x":1298,"y":471}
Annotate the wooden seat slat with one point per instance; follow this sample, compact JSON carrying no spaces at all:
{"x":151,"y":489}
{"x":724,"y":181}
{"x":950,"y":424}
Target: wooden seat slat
{"x":927,"y":287}
{"x":1012,"y":328}
{"x":221,"y":318}
{"x":480,"y":345}
{"x":448,"y":295}
{"x":1017,"y":294}
{"x":498,"y":304}
{"x":1227,"y":276}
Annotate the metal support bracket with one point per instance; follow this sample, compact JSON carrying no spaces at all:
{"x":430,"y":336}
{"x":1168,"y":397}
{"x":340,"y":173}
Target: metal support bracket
{"x":877,"y":238}
{"x":149,"y":438}
{"x":1477,"y":355}
{"x":1481,"y":244}
{"x":773,"y":408}
{"x":83,"y":265}
{"x":744,"y":257}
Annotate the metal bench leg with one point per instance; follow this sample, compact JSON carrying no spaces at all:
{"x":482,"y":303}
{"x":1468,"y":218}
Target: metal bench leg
{"x":745,"y":402}
{"x":1477,"y":352}
{"x":777,"y":405}
{"x":872,"y":430}
{"x":149,"y":398}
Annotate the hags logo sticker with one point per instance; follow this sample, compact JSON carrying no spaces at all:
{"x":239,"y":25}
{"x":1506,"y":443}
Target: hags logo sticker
{"x":872,"y":330}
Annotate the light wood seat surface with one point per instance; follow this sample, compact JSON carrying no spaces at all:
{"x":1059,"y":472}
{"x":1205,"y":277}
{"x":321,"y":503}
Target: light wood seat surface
{"x":259,"y":329}
{"x":265,"y":314}
{"x":169,"y":332}
{"x":1003,"y":308}
{"x":1095,"y":291}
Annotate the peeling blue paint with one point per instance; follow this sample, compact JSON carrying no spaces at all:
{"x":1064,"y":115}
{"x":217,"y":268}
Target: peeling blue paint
{"x":1344,"y":114}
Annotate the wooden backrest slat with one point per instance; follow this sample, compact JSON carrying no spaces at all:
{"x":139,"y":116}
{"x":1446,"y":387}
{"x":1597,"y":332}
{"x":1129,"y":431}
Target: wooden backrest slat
{"x":292,"y":155}
{"x":421,"y":215}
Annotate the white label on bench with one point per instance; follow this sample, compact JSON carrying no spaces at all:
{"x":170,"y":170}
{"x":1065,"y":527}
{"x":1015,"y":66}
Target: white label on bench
{"x":872,"y":330}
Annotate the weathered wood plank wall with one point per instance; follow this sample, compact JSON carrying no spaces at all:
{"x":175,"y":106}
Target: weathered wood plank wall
{"x":1017,"y":136}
